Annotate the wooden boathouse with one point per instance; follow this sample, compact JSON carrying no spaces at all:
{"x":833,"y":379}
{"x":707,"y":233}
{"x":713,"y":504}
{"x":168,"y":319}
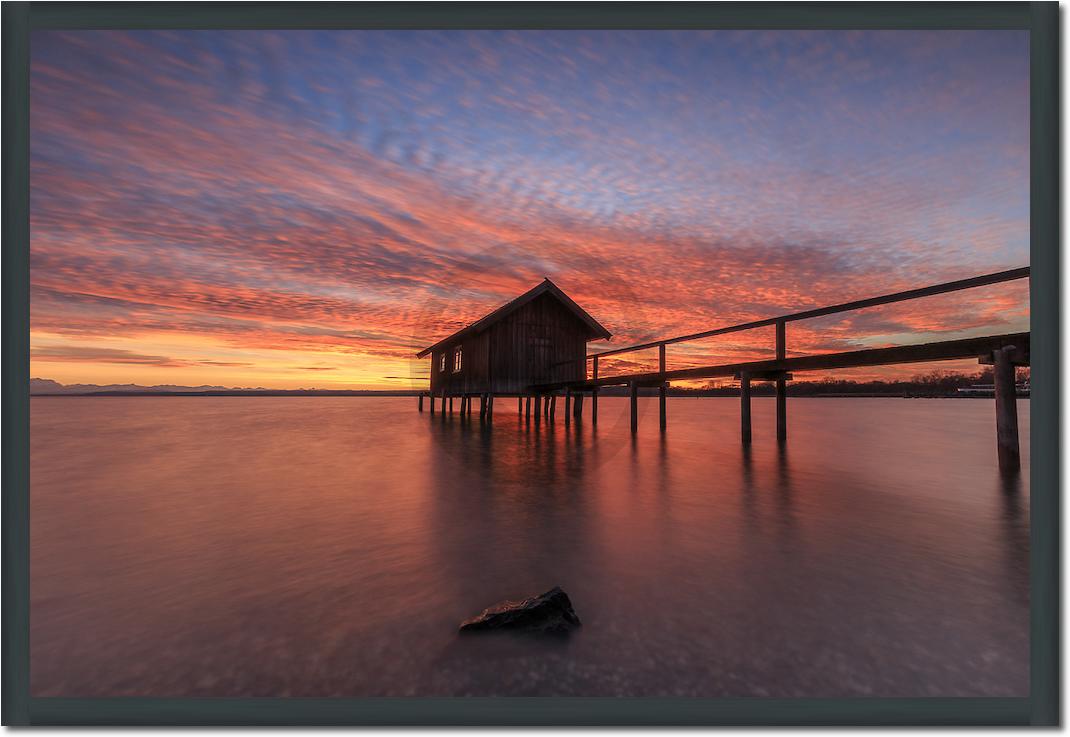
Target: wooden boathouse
{"x":538,"y":338}
{"x":534,"y":348}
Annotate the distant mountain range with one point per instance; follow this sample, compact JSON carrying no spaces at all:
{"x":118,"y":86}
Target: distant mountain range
{"x":48,"y":387}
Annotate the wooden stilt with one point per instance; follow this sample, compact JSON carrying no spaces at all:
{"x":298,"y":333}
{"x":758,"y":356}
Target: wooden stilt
{"x":538,"y":407}
{"x":781,"y":385}
{"x":482,"y":407}
{"x":781,"y":410}
{"x":1006,"y":411}
{"x":527,"y":407}
{"x":662,"y":392}
{"x":546,"y":407}
{"x":568,"y":405}
{"x":577,"y":406}
{"x":451,"y":405}
{"x":421,"y":402}
{"x":519,"y":405}
{"x":553,"y":405}
{"x":744,"y":408}
{"x":633,"y":390}
{"x":594,"y":406}
{"x":432,"y":398}
{"x":490,"y":406}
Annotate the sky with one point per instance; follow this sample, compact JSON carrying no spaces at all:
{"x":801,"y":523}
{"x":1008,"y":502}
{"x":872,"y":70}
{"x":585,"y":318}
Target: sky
{"x":309,"y":209}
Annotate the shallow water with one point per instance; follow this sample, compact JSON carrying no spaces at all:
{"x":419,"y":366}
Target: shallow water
{"x":237,"y":546}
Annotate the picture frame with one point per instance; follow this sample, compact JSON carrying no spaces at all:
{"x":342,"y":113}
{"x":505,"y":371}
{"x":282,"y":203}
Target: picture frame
{"x":1041,"y":708}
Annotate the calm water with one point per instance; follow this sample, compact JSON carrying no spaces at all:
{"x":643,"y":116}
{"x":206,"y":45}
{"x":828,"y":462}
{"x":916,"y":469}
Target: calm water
{"x":330,"y":546}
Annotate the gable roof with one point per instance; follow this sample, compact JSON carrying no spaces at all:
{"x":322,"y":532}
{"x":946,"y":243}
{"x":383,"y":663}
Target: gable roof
{"x":546,"y":287}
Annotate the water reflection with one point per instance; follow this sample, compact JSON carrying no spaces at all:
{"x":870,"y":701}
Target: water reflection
{"x":331,"y":547}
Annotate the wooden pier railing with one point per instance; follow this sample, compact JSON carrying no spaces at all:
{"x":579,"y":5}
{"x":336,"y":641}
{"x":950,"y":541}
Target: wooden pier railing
{"x":1004,"y":352}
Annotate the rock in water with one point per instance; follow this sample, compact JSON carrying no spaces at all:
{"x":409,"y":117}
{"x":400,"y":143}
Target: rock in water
{"x":550,"y":613}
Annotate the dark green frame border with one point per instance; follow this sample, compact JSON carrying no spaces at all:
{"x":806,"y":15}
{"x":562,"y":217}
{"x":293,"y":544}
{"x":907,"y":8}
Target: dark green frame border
{"x":1041,"y":708}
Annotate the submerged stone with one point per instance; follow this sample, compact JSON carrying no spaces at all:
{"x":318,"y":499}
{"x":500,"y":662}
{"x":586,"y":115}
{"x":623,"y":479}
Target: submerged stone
{"x":549,"y":613}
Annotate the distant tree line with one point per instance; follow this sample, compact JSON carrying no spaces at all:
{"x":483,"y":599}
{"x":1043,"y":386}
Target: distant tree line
{"x":931,"y":384}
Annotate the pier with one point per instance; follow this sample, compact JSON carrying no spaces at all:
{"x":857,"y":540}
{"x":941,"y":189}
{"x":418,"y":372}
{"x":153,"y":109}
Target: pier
{"x":1003,"y":352}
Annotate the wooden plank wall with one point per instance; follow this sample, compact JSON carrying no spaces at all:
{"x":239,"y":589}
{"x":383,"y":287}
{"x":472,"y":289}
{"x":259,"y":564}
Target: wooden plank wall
{"x":541,"y":339}
{"x":542,"y":342}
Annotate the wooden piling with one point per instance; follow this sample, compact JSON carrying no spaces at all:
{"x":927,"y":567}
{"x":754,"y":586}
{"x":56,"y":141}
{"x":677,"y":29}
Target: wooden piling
{"x":490,"y":406}
{"x":744,"y":407}
{"x":633,"y":390}
{"x":577,"y":406}
{"x":537,"y":400}
{"x":482,"y":407}
{"x":432,"y":398}
{"x":421,"y":403}
{"x":553,"y":405}
{"x":1006,"y":410}
{"x":568,"y":405}
{"x":781,"y":410}
{"x":781,"y":384}
{"x":663,"y":391}
{"x":546,"y":407}
{"x":527,"y":407}
{"x":519,"y":405}
{"x":594,"y":393}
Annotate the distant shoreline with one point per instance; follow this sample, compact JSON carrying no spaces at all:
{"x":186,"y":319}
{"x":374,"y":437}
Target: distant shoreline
{"x":416,"y":393}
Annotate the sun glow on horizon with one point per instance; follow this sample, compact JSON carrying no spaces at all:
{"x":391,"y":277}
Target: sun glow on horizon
{"x":309,"y":209}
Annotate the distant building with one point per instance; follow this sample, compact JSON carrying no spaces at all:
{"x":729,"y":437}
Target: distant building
{"x":539,"y":337}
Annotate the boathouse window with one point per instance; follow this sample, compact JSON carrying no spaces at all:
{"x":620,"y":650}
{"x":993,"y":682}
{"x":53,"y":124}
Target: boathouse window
{"x":442,"y":362}
{"x":456,"y":360}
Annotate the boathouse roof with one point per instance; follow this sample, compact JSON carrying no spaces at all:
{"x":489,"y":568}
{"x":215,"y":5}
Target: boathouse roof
{"x":546,"y":287}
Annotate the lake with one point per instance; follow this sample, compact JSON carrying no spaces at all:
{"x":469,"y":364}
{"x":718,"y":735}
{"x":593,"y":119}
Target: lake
{"x":329,"y":546}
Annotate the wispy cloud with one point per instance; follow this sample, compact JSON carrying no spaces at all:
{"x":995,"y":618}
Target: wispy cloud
{"x":293,"y":201}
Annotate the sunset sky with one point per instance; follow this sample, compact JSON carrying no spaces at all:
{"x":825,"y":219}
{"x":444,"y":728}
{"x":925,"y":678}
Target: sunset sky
{"x":309,"y":209}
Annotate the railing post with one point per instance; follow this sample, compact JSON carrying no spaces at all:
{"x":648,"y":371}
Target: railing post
{"x":633,"y":390}
{"x":744,"y":407}
{"x":594,"y":392}
{"x":1006,"y":410}
{"x":781,"y":385}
